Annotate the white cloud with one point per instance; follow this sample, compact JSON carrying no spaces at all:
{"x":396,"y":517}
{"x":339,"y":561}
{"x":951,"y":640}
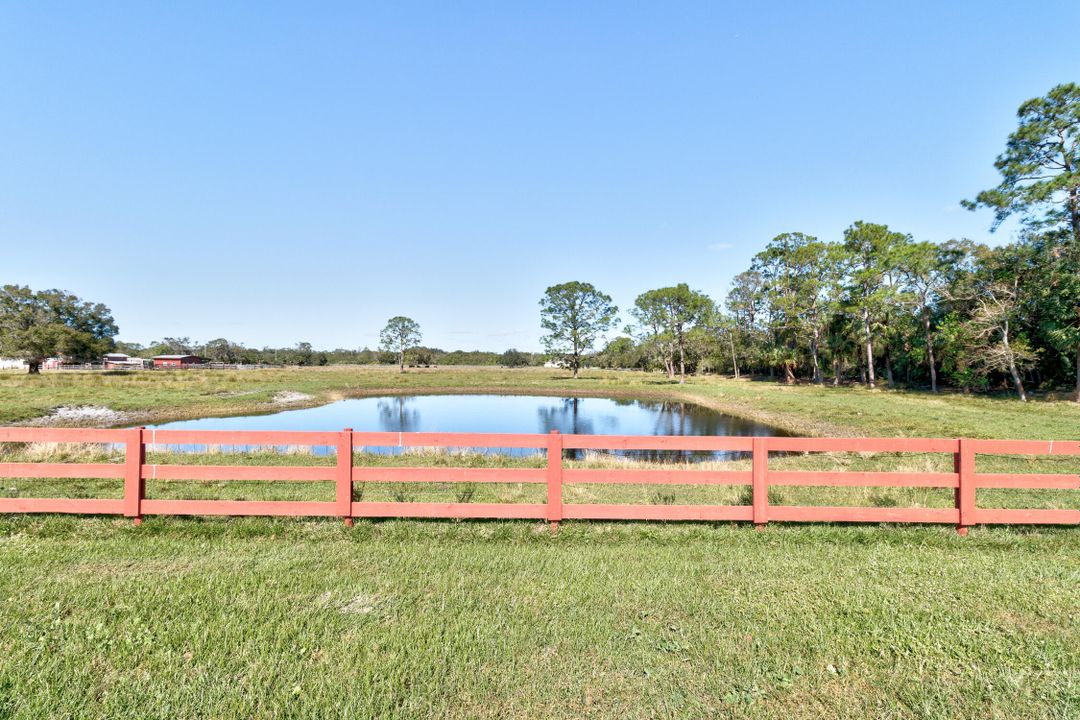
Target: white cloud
{"x":720,"y":246}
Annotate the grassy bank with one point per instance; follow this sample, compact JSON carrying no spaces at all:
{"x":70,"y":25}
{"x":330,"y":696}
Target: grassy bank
{"x":264,"y":618}
{"x":158,"y":396}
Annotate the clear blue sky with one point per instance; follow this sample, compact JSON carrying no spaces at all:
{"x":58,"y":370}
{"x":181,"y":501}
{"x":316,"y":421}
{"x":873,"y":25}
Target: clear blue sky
{"x":274,"y":173}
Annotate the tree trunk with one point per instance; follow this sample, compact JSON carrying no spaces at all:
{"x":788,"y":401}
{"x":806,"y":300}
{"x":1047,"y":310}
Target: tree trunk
{"x":1078,"y":373}
{"x":814,"y":355}
{"x":682,"y":364}
{"x":836,"y":372}
{"x":735,"y":363}
{"x":789,"y":374}
{"x":1010,"y":358}
{"x":869,"y":347}
{"x":930,"y":351}
{"x":888,"y":368}
{"x":1074,"y":213}
{"x":33,"y":367}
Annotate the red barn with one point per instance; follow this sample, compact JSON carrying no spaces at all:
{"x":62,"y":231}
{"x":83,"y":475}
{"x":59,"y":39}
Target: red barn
{"x":176,"y":361}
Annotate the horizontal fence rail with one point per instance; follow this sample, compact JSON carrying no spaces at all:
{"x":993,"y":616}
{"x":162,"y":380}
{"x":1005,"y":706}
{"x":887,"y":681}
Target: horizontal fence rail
{"x":134,"y":471}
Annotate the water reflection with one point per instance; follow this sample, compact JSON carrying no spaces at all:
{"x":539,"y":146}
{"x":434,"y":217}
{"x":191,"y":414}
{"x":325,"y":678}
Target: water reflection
{"x":666,"y":417}
{"x":396,"y":416}
{"x":503,"y":414}
{"x":566,"y":417}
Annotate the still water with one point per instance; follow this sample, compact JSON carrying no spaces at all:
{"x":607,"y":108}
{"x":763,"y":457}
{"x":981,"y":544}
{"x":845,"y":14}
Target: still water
{"x":500,"y":414}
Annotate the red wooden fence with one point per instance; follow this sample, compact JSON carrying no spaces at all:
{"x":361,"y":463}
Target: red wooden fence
{"x":134,"y":472}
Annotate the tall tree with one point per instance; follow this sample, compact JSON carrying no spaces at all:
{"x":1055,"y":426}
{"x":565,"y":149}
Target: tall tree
{"x":575,"y":315}
{"x":924,"y":267}
{"x":673,"y":312}
{"x":399,"y":335}
{"x":1040,"y":180}
{"x":797,"y":270}
{"x":994,"y":293}
{"x":746,"y":303}
{"x":46,"y":323}
{"x":1040,"y":168}
{"x":1057,"y":292}
{"x":871,"y":252}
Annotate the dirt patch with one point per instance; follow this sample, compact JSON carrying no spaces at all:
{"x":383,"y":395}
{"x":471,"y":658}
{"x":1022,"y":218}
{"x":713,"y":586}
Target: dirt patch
{"x":291,"y":397}
{"x":85,"y":416}
{"x":358,"y":605}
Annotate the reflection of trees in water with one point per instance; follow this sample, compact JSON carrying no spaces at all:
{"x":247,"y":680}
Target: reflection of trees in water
{"x":571,"y":416}
{"x":565,"y":417}
{"x":676,"y":418}
{"x":394,"y":416}
{"x":680,"y":418}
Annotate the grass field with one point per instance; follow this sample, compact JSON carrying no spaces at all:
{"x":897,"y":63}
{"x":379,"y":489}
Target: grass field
{"x":186,"y":618}
{"x":803,"y":409}
{"x":263,"y":618}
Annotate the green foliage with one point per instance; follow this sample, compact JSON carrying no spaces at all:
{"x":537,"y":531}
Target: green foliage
{"x":513,"y":358}
{"x":46,"y":323}
{"x":400,"y":335}
{"x":797,"y":271}
{"x":665,"y":317}
{"x":574,"y":316}
{"x":620,"y":352}
{"x":1040,"y":168}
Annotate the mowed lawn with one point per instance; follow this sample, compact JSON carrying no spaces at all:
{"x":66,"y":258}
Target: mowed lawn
{"x":286,"y":618}
{"x":248,"y":617}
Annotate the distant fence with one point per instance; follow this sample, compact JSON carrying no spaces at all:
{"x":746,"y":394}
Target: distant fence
{"x":134,"y":471}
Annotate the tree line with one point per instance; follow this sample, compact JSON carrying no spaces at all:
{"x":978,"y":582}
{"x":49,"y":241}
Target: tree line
{"x":874,"y":306}
{"x":36,"y":325}
{"x":877,"y":303}
{"x":303,"y":354}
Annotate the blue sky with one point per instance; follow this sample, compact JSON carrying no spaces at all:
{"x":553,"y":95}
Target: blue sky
{"x":281,"y":172}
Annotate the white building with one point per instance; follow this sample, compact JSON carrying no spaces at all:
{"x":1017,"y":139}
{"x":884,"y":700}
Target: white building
{"x":121,"y":361}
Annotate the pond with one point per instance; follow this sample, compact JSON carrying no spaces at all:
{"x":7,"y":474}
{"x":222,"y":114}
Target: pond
{"x":501,"y":414}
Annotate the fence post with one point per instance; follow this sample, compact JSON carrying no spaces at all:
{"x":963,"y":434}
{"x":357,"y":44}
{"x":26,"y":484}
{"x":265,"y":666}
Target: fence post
{"x":965,"y":492}
{"x":134,"y":485}
{"x":343,"y":476}
{"x":761,"y":483}
{"x":554,"y":480}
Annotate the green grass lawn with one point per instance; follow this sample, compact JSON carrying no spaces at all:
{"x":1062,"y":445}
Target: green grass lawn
{"x":247,"y":617}
{"x":285,"y":618}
